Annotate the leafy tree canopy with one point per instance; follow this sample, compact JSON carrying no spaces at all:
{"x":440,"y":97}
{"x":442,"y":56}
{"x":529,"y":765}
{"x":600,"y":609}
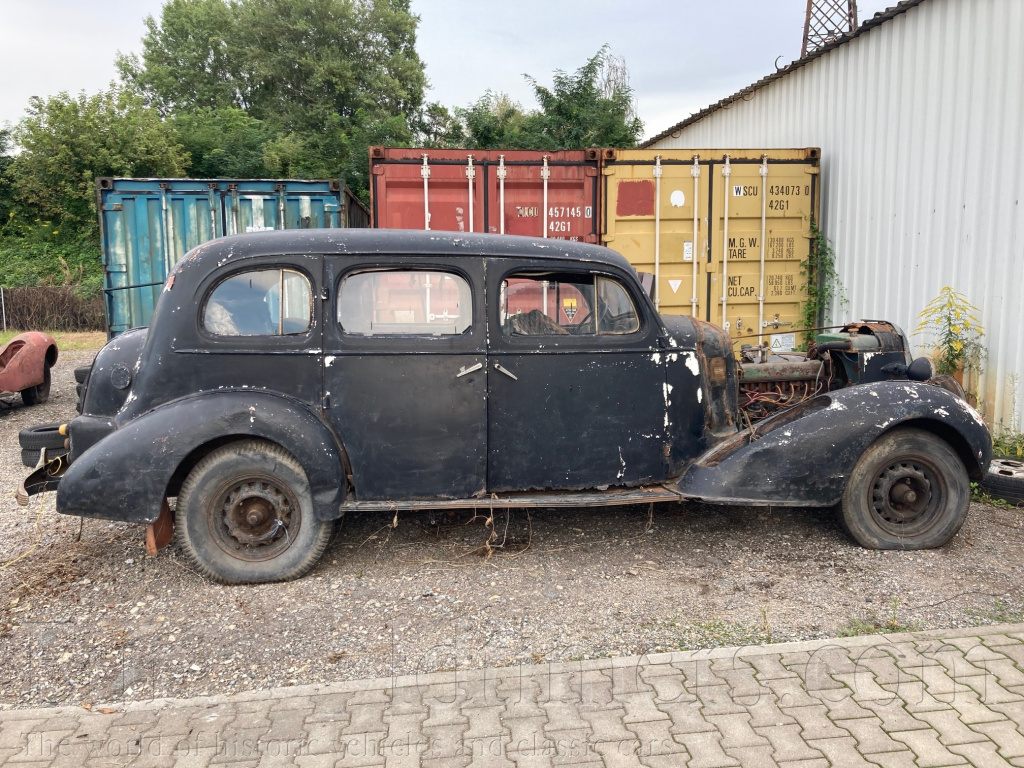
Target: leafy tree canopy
{"x":69,"y":141}
{"x":592,"y":107}
{"x":316,"y":73}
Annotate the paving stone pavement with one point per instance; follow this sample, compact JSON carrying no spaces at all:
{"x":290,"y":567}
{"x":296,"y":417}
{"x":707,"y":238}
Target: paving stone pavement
{"x":938,"y":699}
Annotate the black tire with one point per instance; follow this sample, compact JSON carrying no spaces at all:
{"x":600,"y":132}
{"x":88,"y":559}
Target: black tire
{"x":1005,"y":479}
{"x":30,"y":457}
{"x":81,"y":374}
{"x":909,"y":490}
{"x":41,"y":436}
{"x":40,"y":393}
{"x":268,"y":486}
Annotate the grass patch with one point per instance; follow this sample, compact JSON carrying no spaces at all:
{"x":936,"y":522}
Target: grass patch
{"x":66,"y":340}
{"x":871,"y":623}
{"x":978,"y":496}
{"x":1000,"y":613}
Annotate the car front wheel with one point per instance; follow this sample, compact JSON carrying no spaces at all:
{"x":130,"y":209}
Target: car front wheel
{"x":245,"y":516}
{"x":909,"y":490}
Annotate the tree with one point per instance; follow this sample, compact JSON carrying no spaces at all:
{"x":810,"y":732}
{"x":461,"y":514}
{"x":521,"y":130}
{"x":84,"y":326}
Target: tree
{"x":593,"y":107}
{"x":319,"y":74}
{"x":68,"y":141}
{"x":224,"y":143}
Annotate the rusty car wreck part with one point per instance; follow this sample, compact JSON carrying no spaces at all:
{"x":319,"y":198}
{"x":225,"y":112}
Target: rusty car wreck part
{"x":391,"y":370}
{"x":25,"y":363}
{"x":160,"y":532}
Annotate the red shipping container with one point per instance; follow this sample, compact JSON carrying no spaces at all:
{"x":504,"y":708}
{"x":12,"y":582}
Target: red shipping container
{"x":516,"y":192}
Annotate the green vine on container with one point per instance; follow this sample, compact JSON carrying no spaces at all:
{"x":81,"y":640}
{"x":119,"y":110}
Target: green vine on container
{"x":822,"y":281}
{"x":953,"y":322}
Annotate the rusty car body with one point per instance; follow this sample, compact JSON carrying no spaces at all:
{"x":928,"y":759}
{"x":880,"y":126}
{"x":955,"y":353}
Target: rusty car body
{"x":289,"y":377}
{"x":25,"y":363}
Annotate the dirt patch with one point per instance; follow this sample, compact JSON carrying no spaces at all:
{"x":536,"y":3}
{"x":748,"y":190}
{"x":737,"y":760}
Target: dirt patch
{"x":94,"y":619}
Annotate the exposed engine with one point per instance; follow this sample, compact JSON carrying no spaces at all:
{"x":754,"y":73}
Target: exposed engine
{"x":859,"y":353}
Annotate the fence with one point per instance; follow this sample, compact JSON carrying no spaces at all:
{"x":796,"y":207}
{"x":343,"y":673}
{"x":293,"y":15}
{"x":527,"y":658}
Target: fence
{"x":50,"y":308}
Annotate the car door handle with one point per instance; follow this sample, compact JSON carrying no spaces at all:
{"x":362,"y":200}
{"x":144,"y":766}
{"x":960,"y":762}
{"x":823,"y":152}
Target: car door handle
{"x":464,"y":370}
{"x":501,"y":369}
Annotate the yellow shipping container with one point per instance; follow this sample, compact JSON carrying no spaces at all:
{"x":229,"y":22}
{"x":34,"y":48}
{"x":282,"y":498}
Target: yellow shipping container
{"x":724,"y":231}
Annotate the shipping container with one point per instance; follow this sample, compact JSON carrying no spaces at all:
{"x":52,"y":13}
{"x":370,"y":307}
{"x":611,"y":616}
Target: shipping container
{"x":723,"y":231}
{"x":146,"y":225}
{"x":515,"y":192}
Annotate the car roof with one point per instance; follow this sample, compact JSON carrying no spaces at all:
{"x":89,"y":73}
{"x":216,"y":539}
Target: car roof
{"x":395,"y":241}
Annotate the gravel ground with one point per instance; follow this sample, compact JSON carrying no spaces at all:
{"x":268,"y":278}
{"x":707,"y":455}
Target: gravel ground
{"x":96,"y":620}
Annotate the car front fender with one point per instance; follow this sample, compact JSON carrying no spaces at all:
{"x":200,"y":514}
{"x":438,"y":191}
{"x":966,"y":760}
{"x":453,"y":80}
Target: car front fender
{"x":803,"y":456}
{"x":24,"y":360}
{"x":126,"y":475}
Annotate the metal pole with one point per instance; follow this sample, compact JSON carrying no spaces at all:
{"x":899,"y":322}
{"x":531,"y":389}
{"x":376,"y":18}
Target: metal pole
{"x":501,"y":190}
{"x":657,"y":231}
{"x":425,"y":173}
{"x":695,"y":172}
{"x":726,"y":172}
{"x":764,"y":215}
{"x":470,"y":175}
{"x":545,"y":173}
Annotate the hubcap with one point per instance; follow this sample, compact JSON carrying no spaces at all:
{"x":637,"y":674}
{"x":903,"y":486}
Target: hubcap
{"x":255,"y":518}
{"x":906,"y":495}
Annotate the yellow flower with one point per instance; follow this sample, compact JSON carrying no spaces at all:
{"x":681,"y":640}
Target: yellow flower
{"x":957,"y":346}
{"x":11,"y":215}
{"x":955,"y":329}
{"x":56,"y":231}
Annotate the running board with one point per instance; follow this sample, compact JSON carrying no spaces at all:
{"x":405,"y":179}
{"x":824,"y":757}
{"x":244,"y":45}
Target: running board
{"x":611,"y":497}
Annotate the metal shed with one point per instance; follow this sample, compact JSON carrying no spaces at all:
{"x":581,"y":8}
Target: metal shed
{"x":920,"y":117}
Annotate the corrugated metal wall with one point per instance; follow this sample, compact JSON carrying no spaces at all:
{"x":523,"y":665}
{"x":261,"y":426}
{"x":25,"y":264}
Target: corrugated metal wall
{"x":921,"y":125}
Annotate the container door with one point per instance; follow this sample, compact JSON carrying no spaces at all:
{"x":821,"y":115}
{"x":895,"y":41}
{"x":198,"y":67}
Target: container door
{"x":405,"y":381}
{"x":673,"y":244}
{"x":446,"y":192}
{"x":552,"y":195}
{"x":745,"y":203}
{"x":577,"y":395}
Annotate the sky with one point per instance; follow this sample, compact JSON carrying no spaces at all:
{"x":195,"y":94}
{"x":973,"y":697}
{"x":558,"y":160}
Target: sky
{"x":682,"y":55}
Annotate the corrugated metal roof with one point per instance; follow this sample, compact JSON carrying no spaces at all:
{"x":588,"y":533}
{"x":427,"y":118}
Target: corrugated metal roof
{"x":877,"y":20}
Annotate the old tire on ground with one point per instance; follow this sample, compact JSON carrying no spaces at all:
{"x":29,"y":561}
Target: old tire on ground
{"x":30,"y":457}
{"x":40,"y":393}
{"x":82,"y":373}
{"x":909,"y":490}
{"x":42,"y":436}
{"x":1005,"y":479}
{"x":245,"y":516}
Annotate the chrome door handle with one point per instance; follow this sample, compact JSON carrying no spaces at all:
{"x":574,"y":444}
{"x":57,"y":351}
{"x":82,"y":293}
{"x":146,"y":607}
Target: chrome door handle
{"x":501,"y":369}
{"x":464,"y":370}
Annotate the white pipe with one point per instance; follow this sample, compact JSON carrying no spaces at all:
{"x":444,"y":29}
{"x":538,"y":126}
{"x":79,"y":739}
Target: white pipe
{"x":657,"y":231}
{"x":501,"y":190}
{"x":764,"y":215}
{"x":470,"y":175}
{"x":695,"y":172}
{"x":545,"y":173}
{"x":726,"y":172}
{"x":425,"y":173}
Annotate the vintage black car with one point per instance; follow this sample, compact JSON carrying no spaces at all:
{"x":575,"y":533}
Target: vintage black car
{"x":289,"y":377}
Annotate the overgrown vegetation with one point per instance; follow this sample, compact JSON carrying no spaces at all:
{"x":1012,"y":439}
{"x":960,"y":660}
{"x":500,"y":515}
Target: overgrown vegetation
{"x":952,"y":323}
{"x":263,"y":89}
{"x":823,"y":284}
{"x":870,"y":623}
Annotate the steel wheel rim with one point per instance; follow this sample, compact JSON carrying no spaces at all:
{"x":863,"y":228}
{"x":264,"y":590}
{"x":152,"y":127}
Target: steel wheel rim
{"x":254,"y":518}
{"x":1007,"y":468}
{"x":906,"y":496}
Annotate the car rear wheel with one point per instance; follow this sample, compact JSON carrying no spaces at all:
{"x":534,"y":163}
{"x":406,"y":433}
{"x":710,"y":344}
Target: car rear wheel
{"x":909,"y":490}
{"x":245,"y":516}
{"x":40,"y":393}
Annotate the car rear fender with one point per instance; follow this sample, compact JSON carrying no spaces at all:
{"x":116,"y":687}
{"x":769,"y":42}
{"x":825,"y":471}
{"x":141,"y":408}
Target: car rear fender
{"x":804,"y":455}
{"x":126,"y":475}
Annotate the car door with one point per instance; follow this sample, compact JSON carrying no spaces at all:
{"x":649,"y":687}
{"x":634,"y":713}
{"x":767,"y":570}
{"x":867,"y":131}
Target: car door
{"x":577,"y":394}
{"x":405,"y":380}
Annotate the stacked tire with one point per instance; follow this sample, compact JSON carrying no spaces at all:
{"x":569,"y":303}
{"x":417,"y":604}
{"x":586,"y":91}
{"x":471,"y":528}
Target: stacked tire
{"x":81,"y":382}
{"x":1005,"y":479}
{"x":41,"y":437}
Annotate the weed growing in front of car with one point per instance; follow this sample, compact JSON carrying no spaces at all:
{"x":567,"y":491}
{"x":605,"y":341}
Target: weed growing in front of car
{"x":872,"y":624}
{"x":1001,"y":613}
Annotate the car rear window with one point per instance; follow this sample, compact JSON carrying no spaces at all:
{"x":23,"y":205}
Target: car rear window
{"x":264,"y":302}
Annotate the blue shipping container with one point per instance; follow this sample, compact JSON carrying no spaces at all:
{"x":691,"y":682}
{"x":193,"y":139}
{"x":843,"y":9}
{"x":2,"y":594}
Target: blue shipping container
{"x":146,"y":225}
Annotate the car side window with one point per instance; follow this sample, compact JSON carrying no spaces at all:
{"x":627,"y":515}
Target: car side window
{"x":566,"y":305}
{"x":405,"y":302}
{"x":263,"y":302}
